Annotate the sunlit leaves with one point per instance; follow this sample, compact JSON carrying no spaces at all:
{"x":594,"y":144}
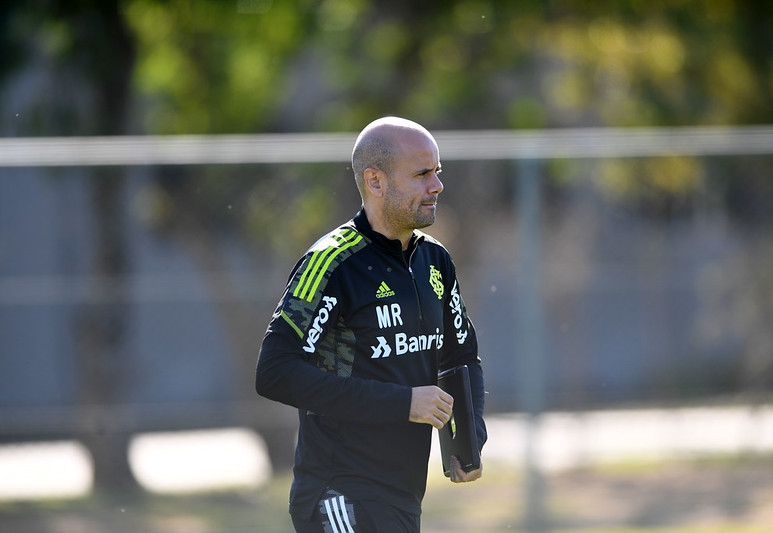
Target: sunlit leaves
{"x":473,"y":16}
{"x":732,"y":80}
{"x":338,"y":15}
{"x":652,"y":183}
{"x":211,"y":67}
{"x":445,"y":54}
{"x":665,"y":54}
{"x":526,"y":113}
{"x":257,"y":65}
{"x":385,"y":42}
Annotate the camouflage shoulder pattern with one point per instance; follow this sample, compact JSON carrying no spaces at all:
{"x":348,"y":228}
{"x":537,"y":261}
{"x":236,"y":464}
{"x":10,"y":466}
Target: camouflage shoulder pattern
{"x":309,"y":281}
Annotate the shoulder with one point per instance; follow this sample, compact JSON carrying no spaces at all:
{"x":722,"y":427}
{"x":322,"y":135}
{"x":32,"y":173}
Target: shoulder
{"x":323,"y":258}
{"x":428,"y":238}
{"x":430,"y":241}
{"x":342,"y":238}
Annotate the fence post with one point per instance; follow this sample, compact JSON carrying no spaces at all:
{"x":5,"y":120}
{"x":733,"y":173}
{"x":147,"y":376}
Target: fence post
{"x":530,"y":352}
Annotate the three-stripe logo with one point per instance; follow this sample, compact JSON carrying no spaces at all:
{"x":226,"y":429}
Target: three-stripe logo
{"x":338,"y":515}
{"x":320,"y":262}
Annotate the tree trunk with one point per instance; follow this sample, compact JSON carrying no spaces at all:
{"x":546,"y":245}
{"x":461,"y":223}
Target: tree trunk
{"x":101,"y":337}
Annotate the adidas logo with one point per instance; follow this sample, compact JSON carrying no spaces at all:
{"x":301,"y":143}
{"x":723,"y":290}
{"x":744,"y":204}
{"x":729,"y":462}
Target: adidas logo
{"x":384,"y":291}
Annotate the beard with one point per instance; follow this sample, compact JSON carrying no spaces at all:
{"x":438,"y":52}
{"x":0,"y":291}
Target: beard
{"x":400,"y":213}
{"x":425,"y":216}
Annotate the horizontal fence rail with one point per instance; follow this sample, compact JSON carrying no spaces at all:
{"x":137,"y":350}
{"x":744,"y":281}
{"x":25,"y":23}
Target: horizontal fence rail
{"x":336,"y":147}
{"x":138,"y":288}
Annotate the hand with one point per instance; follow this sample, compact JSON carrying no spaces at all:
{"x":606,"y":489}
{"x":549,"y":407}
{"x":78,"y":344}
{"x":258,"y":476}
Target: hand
{"x":431,"y":405}
{"x":460,"y":476}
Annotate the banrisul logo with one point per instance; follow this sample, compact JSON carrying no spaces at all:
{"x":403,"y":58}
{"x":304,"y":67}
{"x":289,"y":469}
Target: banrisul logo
{"x":328,"y":303}
{"x":436,"y":280}
{"x":403,"y":344}
{"x":384,"y":291}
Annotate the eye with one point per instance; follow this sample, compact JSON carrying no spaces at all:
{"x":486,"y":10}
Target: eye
{"x":423,"y":174}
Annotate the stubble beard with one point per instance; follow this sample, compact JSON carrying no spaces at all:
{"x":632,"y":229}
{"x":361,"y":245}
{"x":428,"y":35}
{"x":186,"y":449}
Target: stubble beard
{"x":424,"y":220}
{"x":400,"y":217}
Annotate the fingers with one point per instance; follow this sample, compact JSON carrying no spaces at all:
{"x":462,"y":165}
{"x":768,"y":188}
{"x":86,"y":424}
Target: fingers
{"x":458,"y":475}
{"x":438,"y":421}
{"x":440,"y":411}
{"x":431,"y":405}
{"x":444,"y":404}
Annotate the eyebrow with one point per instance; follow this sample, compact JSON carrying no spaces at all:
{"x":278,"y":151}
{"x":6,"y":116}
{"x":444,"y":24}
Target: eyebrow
{"x":438,"y":168}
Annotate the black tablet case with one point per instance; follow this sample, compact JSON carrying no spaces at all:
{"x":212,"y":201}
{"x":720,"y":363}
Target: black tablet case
{"x":457,"y":437}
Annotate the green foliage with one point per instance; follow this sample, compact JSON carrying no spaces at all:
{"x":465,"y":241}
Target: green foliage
{"x":250,"y":66}
{"x":210,"y":66}
{"x":263,"y":65}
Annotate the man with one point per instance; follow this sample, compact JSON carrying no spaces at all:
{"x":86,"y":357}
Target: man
{"x":371,"y":313}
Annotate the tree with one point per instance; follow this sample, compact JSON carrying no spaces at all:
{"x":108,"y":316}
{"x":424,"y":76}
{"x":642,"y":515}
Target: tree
{"x":89,"y":51}
{"x":207,"y":67}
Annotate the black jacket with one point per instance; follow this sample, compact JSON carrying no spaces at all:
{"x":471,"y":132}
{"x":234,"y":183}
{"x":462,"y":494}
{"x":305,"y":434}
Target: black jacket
{"x":360,"y":323}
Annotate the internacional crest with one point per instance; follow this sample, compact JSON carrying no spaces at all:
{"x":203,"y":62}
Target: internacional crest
{"x":436,"y":280}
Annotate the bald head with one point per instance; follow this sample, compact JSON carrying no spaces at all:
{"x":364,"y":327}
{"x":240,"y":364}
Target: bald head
{"x":379,"y":145}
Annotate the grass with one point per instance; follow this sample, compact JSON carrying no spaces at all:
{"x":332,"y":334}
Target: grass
{"x":700,"y":497}
{"x":727,"y":529}
{"x":705,"y":496}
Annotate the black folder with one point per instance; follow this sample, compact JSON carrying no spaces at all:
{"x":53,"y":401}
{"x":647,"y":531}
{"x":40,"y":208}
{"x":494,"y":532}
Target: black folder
{"x":457,"y":437}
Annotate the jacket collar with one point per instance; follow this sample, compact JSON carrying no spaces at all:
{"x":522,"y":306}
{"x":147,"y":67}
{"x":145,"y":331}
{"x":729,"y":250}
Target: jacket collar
{"x":393,"y":246}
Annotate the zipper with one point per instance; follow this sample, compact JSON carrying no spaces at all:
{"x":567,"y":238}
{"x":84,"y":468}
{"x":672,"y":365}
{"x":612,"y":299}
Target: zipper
{"x":415,"y":286}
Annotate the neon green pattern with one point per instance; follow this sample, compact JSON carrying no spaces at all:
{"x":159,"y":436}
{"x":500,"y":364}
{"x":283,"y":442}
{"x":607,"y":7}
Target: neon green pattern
{"x":310,"y":280}
{"x":292,"y":324}
{"x":320,"y":261}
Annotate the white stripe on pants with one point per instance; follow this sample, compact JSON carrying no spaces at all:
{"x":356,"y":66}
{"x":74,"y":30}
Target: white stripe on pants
{"x":339,"y":525}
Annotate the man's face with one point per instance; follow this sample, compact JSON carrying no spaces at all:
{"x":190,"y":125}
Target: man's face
{"x":413,"y":186}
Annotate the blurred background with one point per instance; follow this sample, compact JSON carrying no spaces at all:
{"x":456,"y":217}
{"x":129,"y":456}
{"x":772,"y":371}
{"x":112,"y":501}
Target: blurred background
{"x":608,"y":193}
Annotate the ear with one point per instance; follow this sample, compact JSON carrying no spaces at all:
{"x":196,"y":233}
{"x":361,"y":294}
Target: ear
{"x":375,"y":180}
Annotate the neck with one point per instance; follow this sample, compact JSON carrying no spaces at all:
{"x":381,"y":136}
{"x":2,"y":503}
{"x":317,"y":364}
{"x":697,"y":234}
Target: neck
{"x":379,"y":225}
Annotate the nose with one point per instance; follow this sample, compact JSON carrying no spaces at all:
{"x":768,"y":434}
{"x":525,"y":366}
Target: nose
{"x":436,"y":186}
